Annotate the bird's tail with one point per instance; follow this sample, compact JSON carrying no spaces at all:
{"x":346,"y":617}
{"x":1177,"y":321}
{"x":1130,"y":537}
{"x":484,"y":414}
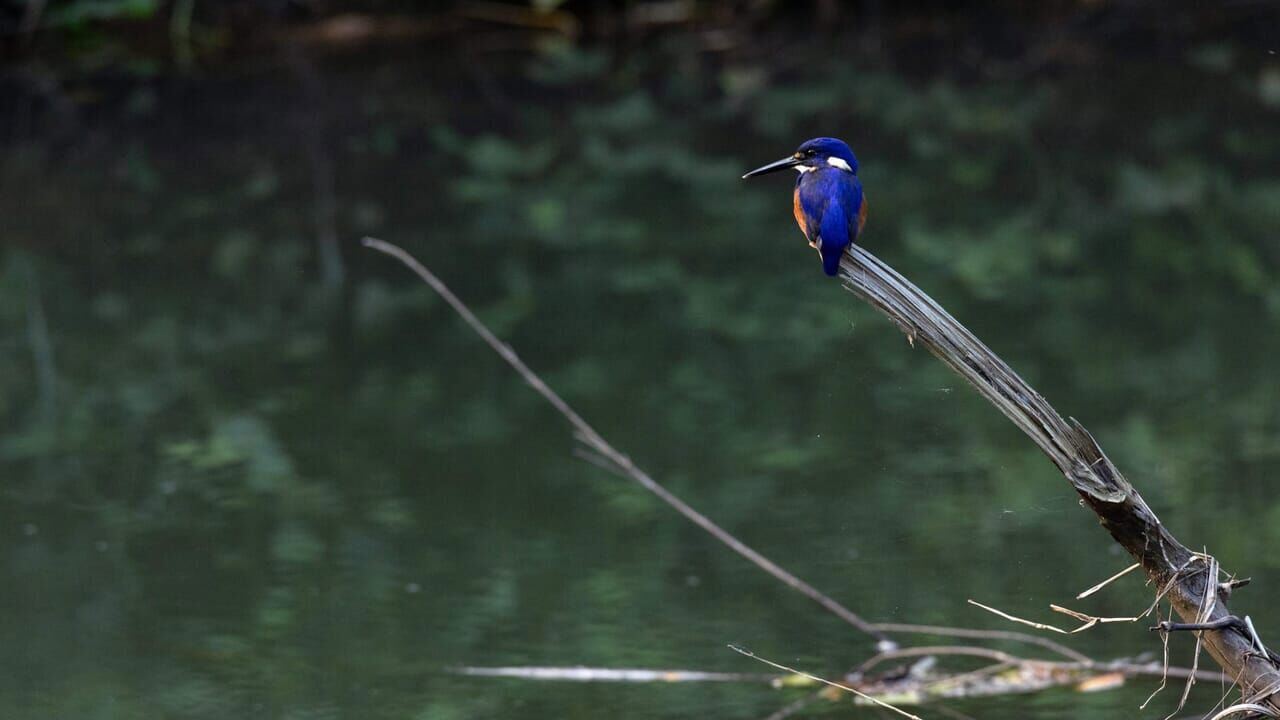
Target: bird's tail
{"x":831,"y":259}
{"x":834,"y":238}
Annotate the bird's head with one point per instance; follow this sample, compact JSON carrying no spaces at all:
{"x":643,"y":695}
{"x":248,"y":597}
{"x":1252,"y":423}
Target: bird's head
{"x":812,"y":155}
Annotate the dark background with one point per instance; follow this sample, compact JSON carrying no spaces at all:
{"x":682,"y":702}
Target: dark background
{"x":253,"y":470}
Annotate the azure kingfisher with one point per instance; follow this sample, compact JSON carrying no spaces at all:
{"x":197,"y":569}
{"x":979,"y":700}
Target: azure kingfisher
{"x":828,"y":203}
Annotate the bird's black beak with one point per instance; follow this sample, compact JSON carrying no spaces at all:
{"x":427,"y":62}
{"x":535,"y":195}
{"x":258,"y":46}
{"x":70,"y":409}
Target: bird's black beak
{"x":783,"y":164}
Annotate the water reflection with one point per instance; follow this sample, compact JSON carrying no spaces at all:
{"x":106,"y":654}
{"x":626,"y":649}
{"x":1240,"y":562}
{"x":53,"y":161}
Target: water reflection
{"x":235,"y":492}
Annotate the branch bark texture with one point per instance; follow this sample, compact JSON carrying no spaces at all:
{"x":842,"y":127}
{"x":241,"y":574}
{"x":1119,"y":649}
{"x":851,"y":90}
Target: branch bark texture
{"x":1188,"y":579}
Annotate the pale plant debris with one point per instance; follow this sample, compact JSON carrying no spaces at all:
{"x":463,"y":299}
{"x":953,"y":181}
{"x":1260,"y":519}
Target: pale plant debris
{"x":625,"y":675}
{"x":1101,"y":683}
{"x":1008,"y":675}
{"x":1164,"y":676}
{"x":1257,"y":639}
{"x":1091,"y":620}
{"x":1265,"y":692}
{"x":846,"y":688}
{"x":1021,"y":621}
{"x":1108,"y":581}
{"x":920,"y":683}
{"x":1207,"y":605}
{"x":1205,"y":609}
{"x":997,"y":635}
{"x":1245,"y":708}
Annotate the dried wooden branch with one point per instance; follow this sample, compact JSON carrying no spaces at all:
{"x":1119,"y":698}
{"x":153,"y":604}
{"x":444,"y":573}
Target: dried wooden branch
{"x":1195,"y":591}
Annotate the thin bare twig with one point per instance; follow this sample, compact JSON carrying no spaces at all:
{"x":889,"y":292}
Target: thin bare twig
{"x":1245,"y":708}
{"x":1108,"y":581}
{"x":1021,"y":621}
{"x":1206,"y":610}
{"x":1090,"y":620}
{"x":846,"y":688}
{"x":1163,"y":669}
{"x":925,"y":651}
{"x":601,"y":447}
{"x":1164,"y":675}
{"x":1257,"y":640}
{"x":1007,"y":635}
{"x":630,"y":675}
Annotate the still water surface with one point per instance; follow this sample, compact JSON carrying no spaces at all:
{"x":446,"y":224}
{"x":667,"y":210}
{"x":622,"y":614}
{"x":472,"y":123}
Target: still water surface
{"x":233,"y":490}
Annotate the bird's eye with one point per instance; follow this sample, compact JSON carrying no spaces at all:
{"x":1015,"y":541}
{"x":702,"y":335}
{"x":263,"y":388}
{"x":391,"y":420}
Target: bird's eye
{"x":810,"y":152}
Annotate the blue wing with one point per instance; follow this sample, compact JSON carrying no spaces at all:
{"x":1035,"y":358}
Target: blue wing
{"x":831,"y":200}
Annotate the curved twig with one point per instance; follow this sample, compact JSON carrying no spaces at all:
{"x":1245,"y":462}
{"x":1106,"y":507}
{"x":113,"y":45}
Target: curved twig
{"x":623,"y":465}
{"x":1243,"y":708}
{"x":925,"y":651}
{"x":1006,"y":635}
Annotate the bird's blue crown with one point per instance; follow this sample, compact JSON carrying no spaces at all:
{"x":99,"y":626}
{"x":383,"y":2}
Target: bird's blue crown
{"x":827,"y":147}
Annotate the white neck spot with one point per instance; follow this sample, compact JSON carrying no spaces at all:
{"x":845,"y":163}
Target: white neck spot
{"x":836,"y":162}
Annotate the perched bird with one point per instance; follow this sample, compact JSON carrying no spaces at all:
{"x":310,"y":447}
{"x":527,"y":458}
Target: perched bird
{"x":828,"y":203}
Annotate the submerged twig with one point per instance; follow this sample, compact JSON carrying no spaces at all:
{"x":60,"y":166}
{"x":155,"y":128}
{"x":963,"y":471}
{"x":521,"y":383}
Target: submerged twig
{"x":874,"y":701}
{"x":630,"y":675}
{"x":930,"y":651}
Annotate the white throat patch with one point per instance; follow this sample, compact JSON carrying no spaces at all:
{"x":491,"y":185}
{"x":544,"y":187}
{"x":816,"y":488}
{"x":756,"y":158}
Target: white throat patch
{"x":836,"y":162}
{"x":802,"y":169}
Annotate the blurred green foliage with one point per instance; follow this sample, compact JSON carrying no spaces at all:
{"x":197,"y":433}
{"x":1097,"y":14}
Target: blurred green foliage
{"x":235,"y":495}
{"x":79,"y":12}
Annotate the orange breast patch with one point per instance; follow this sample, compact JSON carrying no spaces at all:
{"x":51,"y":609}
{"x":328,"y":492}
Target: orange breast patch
{"x":799,"y":212}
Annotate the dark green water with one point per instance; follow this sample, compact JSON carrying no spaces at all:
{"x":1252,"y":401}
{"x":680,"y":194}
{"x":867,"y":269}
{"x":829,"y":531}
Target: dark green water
{"x":232,"y":491}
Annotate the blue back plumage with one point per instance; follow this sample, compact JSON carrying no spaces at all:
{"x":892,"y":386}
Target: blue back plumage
{"x":831,"y":199}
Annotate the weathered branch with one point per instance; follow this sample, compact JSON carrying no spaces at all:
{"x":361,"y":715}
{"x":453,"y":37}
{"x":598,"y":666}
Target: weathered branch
{"x":1191,"y":578}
